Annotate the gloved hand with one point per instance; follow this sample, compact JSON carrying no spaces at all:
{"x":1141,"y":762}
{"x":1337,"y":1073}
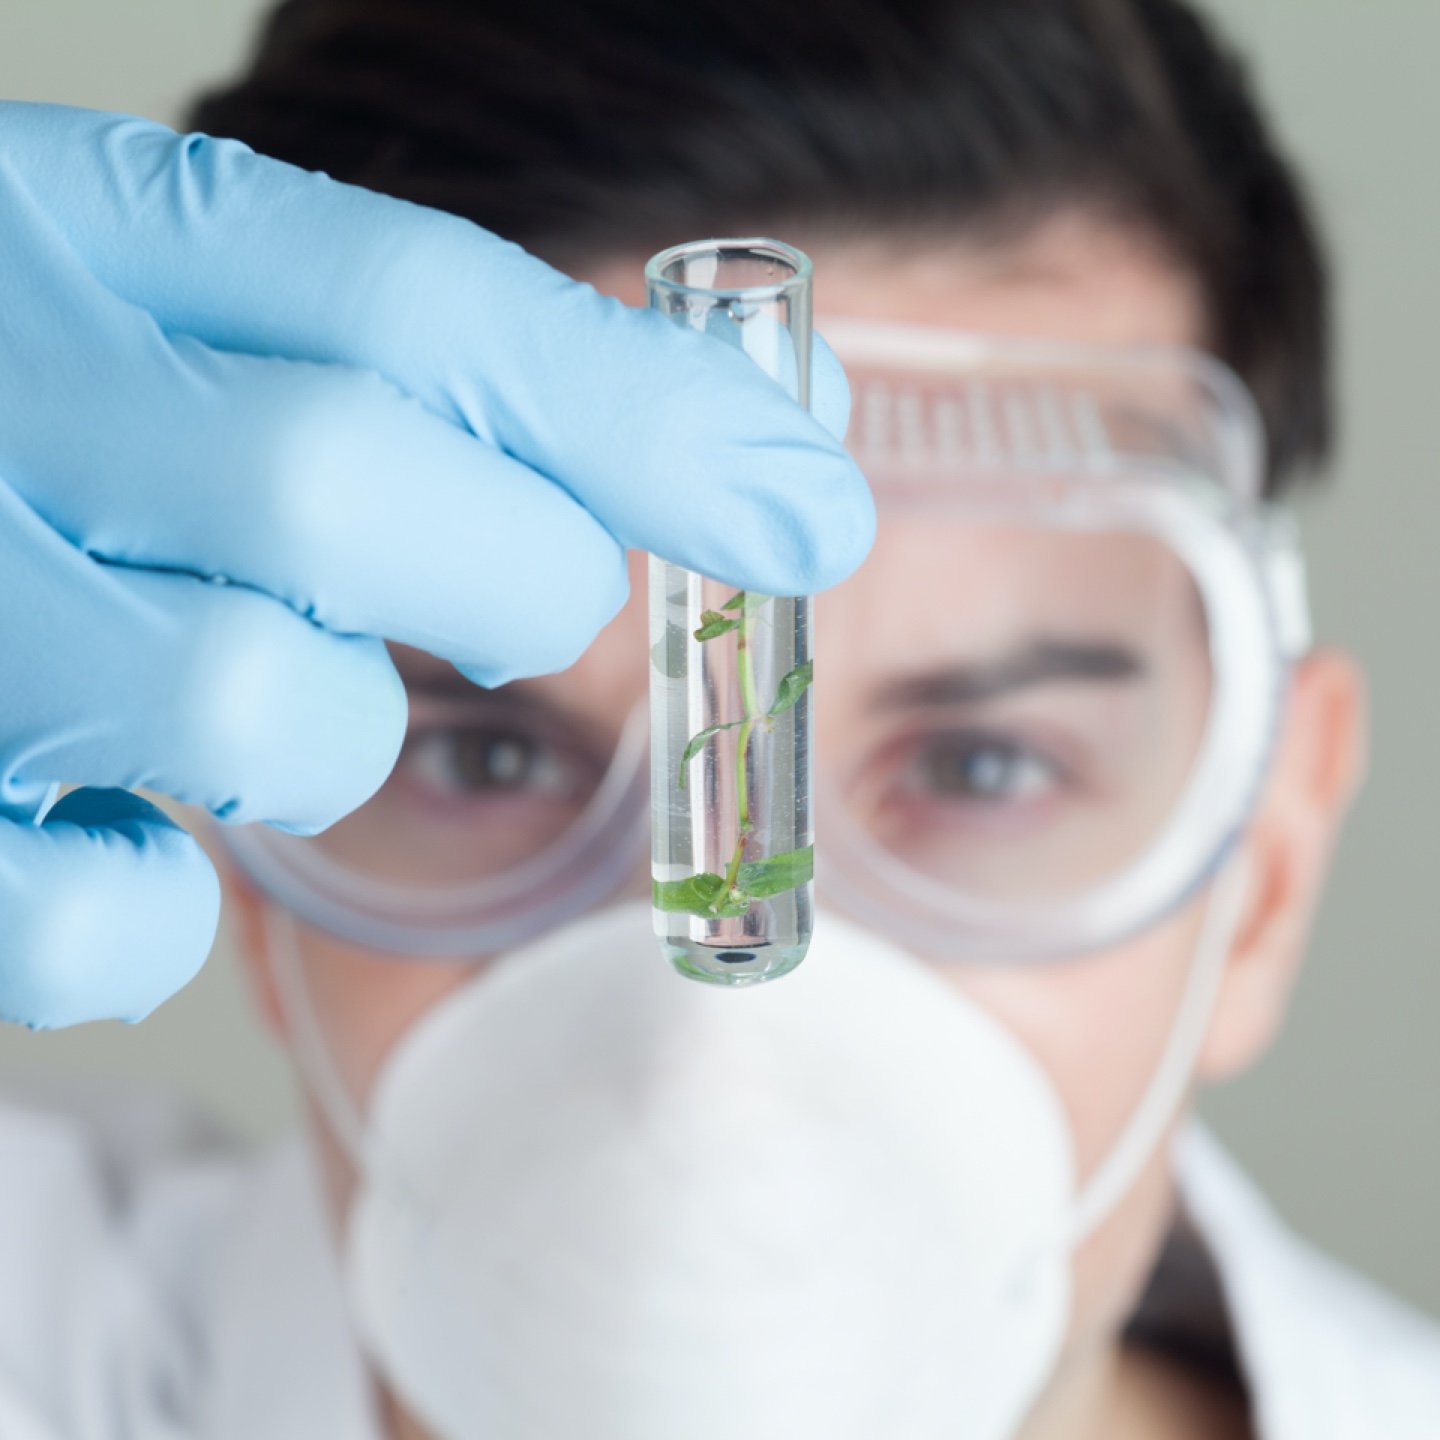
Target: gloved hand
{"x":251,"y":422}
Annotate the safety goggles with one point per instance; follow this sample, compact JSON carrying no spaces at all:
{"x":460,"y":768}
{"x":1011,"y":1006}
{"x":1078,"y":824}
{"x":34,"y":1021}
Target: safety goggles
{"x":1044,"y":706}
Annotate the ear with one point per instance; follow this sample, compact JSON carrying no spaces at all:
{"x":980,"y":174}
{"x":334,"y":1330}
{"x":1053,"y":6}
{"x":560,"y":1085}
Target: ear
{"x":245,"y":915}
{"x":1318,"y":768}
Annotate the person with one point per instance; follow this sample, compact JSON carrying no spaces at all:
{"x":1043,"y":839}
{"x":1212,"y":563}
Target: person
{"x":315,"y":505}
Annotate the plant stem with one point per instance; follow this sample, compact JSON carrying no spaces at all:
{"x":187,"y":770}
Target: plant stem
{"x":750,"y":708}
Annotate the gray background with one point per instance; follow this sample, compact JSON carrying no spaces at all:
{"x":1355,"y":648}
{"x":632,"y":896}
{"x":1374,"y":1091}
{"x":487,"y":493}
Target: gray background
{"x":1340,"y":1123}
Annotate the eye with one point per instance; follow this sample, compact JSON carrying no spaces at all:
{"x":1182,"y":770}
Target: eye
{"x":475,"y":761}
{"x":984,"y":768}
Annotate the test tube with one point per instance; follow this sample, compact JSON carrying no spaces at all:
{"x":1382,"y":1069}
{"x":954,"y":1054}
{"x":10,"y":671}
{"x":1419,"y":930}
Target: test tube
{"x":730,"y":674}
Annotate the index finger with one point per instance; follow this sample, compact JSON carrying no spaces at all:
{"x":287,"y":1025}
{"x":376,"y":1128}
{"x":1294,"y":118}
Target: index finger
{"x":677,"y":444}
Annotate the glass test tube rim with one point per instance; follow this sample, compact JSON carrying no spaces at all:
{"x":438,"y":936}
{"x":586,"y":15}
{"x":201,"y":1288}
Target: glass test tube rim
{"x":799,"y":262}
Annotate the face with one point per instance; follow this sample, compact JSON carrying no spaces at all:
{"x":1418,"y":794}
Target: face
{"x":934,"y":734}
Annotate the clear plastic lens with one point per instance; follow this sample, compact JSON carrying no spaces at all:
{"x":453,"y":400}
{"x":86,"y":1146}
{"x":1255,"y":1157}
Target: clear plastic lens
{"x":483,"y":784}
{"x":1033,"y":734}
{"x":1041,"y":717}
{"x":1023,"y":735}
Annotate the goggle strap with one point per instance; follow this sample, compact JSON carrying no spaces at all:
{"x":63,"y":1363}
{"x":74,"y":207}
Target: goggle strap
{"x":1165,"y":1095}
{"x":1287,"y":579}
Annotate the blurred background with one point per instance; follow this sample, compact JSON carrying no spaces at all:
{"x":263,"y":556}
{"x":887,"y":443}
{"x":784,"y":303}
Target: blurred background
{"x":1342,"y":1123}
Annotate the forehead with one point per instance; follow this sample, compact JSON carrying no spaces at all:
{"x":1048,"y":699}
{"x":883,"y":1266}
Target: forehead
{"x":935,"y":590}
{"x":1073,"y":276}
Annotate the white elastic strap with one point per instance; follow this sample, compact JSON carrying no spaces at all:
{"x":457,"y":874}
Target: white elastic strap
{"x":1285,"y":575}
{"x":312,"y":1054}
{"x":1159,"y":1105}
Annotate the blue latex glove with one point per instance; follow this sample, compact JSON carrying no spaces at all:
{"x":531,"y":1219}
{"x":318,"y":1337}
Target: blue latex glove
{"x":252,"y":421}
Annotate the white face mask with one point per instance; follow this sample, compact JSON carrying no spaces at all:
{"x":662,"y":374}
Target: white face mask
{"x":598,"y":1200}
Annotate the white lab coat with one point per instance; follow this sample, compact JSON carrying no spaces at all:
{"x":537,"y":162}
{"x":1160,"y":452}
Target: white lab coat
{"x":148,"y":1298}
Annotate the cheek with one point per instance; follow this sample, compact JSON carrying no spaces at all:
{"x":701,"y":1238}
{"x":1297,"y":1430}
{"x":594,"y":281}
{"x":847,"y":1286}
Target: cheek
{"x":1098,"y":1025}
{"x":364,"y":1003}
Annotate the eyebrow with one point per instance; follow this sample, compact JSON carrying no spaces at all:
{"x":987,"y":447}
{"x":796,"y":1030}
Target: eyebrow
{"x":1043,"y":662}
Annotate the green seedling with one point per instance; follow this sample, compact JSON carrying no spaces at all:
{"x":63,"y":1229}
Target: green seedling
{"x":730,"y":895}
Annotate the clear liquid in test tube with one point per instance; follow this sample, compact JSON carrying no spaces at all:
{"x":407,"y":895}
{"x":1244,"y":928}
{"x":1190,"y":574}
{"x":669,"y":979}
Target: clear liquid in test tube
{"x":731,"y":675}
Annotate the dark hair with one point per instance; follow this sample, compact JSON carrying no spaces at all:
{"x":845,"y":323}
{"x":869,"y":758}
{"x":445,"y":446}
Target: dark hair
{"x":581,"y":126}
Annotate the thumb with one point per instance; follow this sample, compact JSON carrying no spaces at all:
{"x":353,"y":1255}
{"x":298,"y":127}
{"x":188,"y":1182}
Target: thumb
{"x":109,"y":908}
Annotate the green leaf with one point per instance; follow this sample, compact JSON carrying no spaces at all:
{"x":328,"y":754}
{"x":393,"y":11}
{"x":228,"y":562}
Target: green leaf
{"x":792,"y":687}
{"x":713,"y":624}
{"x":774,"y":876}
{"x":694,"y":895}
{"x":735,"y":601}
{"x":704,"y":895}
{"x":697,"y":744}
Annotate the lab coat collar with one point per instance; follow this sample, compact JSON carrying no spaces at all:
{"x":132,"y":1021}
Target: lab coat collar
{"x":1324,"y":1355}
{"x":286,"y":1363}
